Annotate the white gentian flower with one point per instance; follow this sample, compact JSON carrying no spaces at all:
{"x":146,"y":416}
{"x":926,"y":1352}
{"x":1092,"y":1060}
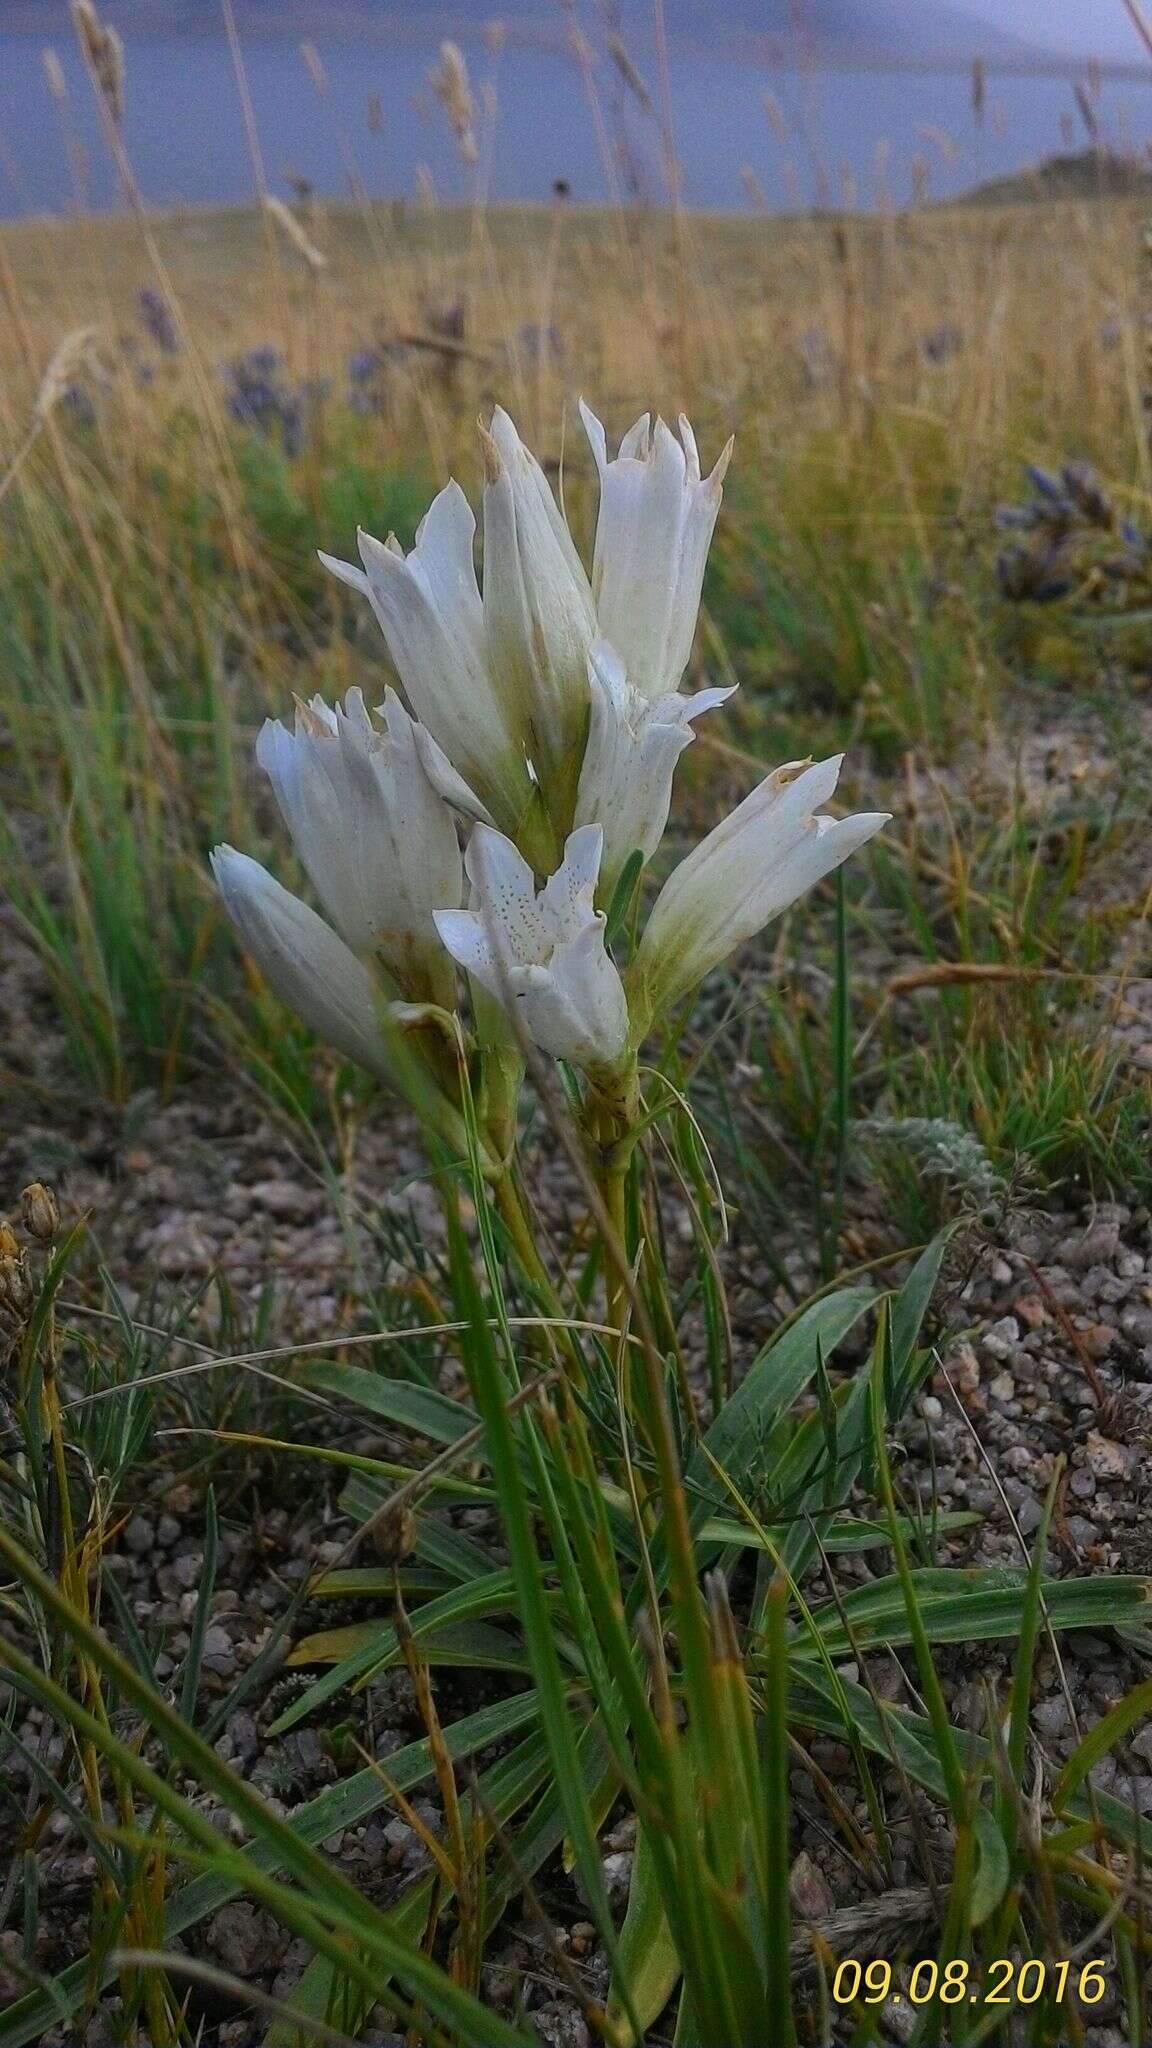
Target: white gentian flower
{"x":302,"y":958}
{"x":542,"y":955}
{"x":652,"y":538}
{"x":758,"y":861}
{"x":634,"y":743}
{"x":539,"y":618}
{"x":378,"y":843}
{"x":429,"y":610}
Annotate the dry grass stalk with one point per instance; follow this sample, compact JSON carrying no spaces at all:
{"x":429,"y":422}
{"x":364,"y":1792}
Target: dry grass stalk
{"x":629,"y":73}
{"x":285,"y":218}
{"x":104,"y":55}
{"x":315,"y":67}
{"x":75,"y":353}
{"x":450,"y":84}
{"x":54,"y":73}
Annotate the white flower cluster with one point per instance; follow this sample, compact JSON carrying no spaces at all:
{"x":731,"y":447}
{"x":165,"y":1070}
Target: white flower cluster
{"x":543,"y":720}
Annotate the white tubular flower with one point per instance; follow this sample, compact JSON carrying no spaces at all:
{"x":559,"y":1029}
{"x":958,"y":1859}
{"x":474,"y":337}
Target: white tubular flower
{"x":429,"y":609}
{"x":652,"y":538}
{"x":758,"y":861}
{"x":378,"y":843}
{"x":542,"y":956}
{"x":634,"y":743}
{"x":301,"y":957}
{"x":538,"y":614}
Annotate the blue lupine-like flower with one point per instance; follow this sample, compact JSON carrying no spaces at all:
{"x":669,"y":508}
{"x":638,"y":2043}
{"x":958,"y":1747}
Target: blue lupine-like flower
{"x":1069,"y":525}
{"x":817,"y":357}
{"x":76,"y":400}
{"x":942,"y":344}
{"x":258,"y":395}
{"x":1043,"y":481}
{"x":156,"y":318}
{"x":366,"y":370}
{"x":536,"y":344}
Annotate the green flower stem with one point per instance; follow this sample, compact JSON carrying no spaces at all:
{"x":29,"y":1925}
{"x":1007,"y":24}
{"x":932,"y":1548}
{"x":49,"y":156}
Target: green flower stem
{"x":510,"y":1204}
{"x":613,"y":1134}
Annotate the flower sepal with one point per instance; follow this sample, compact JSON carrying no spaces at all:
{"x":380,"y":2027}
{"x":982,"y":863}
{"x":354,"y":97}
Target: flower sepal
{"x":500,"y":1076}
{"x":614,"y":1096}
{"x":414,"y":1017}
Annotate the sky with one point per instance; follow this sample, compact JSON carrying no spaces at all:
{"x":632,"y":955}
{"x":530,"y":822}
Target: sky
{"x":837,"y":124}
{"x":1101,"y":28}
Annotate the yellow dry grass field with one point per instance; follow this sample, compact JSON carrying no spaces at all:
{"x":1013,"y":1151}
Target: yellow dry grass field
{"x":775,"y":323}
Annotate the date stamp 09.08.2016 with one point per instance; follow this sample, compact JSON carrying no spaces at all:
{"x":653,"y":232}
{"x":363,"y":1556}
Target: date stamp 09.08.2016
{"x":1004,"y":1982}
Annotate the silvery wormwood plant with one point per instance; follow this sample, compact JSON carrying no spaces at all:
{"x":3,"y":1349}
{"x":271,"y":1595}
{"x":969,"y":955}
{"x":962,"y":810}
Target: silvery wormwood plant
{"x":476,"y":838}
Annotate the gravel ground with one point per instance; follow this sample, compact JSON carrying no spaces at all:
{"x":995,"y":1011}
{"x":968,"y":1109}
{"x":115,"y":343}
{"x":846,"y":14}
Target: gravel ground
{"x":1047,"y":1350}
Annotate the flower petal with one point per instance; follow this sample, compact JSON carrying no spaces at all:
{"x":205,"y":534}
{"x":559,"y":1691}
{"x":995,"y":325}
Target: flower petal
{"x":505,"y":890}
{"x":568,"y":894}
{"x":347,"y":572}
{"x":542,"y":956}
{"x":745,"y":873}
{"x":633,"y":746}
{"x":652,"y":538}
{"x":445,"y":780}
{"x":429,"y":610}
{"x":465,"y":935}
{"x":377,"y":841}
{"x":588,"y":986}
{"x":538,"y":613}
{"x":302,"y":959}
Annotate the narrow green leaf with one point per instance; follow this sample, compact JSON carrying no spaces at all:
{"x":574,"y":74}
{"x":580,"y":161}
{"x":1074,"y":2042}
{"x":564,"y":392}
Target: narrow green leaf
{"x":976,"y":1604}
{"x":420,"y":1409}
{"x":647,"y":1958}
{"x":1100,"y":1739}
{"x":737,"y":1437}
{"x":344,"y":1911}
{"x":190,"y":1676}
{"x":993,"y":1868}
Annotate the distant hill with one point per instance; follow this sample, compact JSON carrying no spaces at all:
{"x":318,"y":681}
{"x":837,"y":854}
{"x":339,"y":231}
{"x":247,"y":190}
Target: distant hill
{"x":900,"y":28}
{"x":903,"y":30}
{"x":1092,"y":174}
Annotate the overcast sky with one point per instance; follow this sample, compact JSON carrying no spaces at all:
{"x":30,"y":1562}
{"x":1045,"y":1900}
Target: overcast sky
{"x":1100,"y":28}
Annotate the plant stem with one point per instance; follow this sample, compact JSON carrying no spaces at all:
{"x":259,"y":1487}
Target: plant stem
{"x":613,"y":1182}
{"x":510,"y":1204}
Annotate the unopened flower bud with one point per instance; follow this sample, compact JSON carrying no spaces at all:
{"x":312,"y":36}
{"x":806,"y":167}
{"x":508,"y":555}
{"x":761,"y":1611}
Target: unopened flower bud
{"x":40,"y":1212}
{"x":15,"y":1285}
{"x":395,"y":1534}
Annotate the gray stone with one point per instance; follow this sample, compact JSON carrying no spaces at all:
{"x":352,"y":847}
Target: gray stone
{"x":219,"y":1654}
{"x":1001,"y":1338}
{"x":618,"y":1875}
{"x":285,"y":1199}
{"x":246,"y":1941}
{"x":139,"y":1536}
{"x":1052,"y":1716}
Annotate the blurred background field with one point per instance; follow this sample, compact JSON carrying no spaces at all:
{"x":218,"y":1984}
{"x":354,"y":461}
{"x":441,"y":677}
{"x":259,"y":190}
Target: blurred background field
{"x":196,"y":403}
